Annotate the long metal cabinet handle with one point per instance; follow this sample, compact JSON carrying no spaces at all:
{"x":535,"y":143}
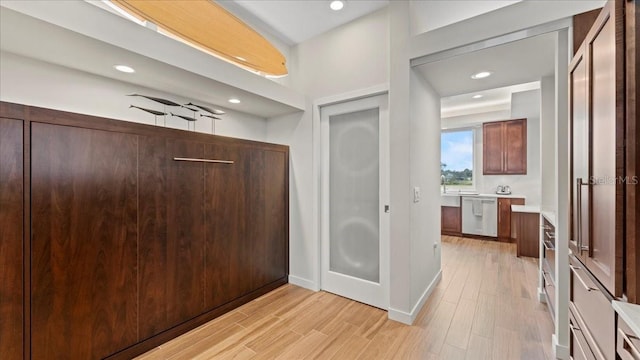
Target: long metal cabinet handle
{"x":575,"y":269}
{"x":579,"y":185}
{"x":548,"y":245}
{"x":204,"y":160}
{"x":630,"y":348}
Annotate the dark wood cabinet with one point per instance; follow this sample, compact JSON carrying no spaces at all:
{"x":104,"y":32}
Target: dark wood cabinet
{"x":504,"y":149}
{"x":597,"y":150}
{"x":136,"y":236}
{"x":84,"y":241}
{"x":11,"y":238}
{"x":451,"y":220}
{"x":525,"y":230}
{"x":504,"y":217}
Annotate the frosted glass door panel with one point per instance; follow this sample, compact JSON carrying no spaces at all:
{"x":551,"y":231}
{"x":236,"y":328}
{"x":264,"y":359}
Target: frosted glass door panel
{"x":354,"y":200}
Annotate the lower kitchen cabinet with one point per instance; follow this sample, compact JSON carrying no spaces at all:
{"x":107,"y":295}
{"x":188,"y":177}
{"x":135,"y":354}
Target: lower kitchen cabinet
{"x":525,"y":230}
{"x":136,"y":236}
{"x":504,"y":217}
{"x":451,"y":220}
{"x":11,"y":235}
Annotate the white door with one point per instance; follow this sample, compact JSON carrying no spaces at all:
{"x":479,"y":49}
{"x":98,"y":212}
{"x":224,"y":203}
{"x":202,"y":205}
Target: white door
{"x":354,"y":194}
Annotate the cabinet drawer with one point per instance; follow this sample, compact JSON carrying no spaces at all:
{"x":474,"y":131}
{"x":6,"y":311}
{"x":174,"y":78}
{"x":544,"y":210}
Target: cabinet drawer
{"x":550,"y":290}
{"x":593,"y":309}
{"x":628,"y":343}
{"x":579,"y":346}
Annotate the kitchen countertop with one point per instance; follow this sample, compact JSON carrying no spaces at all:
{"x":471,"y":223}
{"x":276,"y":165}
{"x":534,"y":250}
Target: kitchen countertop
{"x":550,"y":216}
{"x":485,"y":195}
{"x":630,"y":313}
{"x":525,"y":208}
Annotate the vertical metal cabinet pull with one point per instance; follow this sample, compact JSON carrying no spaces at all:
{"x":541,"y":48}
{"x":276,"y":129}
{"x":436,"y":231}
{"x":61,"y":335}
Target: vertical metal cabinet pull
{"x":574,"y":270}
{"x":628,"y":346}
{"x":203,"y":160}
{"x":579,"y":185}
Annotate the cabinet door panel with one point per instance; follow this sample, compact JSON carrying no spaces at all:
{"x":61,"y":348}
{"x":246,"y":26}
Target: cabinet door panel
{"x":579,"y":158}
{"x":255,"y":219}
{"x":225,"y":247}
{"x":152,"y":247}
{"x":492,"y":154}
{"x":515,"y":142}
{"x":84,"y":242}
{"x":451,"y":221}
{"x":185,"y":232}
{"x":11,"y":237}
{"x":601,"y":258}
{"x":276,"y":197}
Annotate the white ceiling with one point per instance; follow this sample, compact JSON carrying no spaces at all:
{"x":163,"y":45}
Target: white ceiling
{"x":296,"y":21}
{"x":513,"y":63}
{"x":516,"y":66}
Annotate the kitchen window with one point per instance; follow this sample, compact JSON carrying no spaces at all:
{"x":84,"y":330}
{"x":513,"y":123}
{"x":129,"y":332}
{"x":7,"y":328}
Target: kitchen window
{"x":457,"y":159}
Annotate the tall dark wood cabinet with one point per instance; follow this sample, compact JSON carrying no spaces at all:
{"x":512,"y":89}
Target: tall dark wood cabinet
{"x":138,"y":233}
{"x":11,"y":237}
{"x":504,"y":217}
{"x":84,"y":241}
{"x":598,"y":223}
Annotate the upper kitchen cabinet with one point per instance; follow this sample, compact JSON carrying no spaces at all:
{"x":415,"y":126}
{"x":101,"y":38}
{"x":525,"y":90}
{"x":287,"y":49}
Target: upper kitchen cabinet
{"x":504,"y":150}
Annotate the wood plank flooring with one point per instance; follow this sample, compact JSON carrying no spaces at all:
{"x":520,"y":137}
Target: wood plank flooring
{"x":485,"y":307}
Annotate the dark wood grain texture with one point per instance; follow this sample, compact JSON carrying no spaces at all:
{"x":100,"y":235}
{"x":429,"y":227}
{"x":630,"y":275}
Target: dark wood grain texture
{"x":225,"y":240}
{"x":84,"y":242}
{"x":184,"y":270}
{"x":504,"y":217}
{"x":632,"y":211}
{"x":492,"y":148}
{"x":504,"y":147}
{"x":11,"y":239}
{"x":152,"y":240}
{"x":276,"y":220}
{"x":526,"y":229}
{"x":515,"y":147}
{"x":89,"y":172}
{"x":451,"y":220}
{"x":581,"y":25}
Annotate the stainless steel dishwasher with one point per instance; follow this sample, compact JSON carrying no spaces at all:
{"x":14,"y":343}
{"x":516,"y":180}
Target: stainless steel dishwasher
{"x":480,"y":215}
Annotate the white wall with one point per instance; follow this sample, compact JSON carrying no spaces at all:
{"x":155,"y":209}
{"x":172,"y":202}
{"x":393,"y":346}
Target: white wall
{"x":548,"y":153}
{"x":425,"y":173}
{"x":351,"y":57}
{"x":33,"y":82}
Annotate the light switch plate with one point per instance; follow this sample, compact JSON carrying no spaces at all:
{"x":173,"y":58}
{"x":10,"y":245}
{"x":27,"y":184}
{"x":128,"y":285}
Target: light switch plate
{"x":416,"y":194}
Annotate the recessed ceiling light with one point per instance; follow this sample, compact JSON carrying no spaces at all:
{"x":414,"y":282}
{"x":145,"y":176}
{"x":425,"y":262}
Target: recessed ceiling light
{"x":124,"y":69}
{"x":478,"y":96}
{"x":336,"y":5}
{"x":481,"y":75}
{"x":234,"y":101}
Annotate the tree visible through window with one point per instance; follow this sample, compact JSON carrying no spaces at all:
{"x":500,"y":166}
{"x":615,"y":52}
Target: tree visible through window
{"x":456,"y":159}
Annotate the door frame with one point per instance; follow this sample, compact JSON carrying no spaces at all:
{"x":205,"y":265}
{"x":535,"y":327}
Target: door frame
{"x":316,"y":246}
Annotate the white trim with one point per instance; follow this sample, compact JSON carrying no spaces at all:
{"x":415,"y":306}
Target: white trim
{"x":307,"y":284}
{"x":409,"y":318}
{"x":560,"y":351}
{"x":316,"y":173}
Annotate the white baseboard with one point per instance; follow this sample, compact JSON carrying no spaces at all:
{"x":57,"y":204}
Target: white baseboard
{"x":408,"y":318}
{"x":307,"y":284}
{"x":560,"y":351}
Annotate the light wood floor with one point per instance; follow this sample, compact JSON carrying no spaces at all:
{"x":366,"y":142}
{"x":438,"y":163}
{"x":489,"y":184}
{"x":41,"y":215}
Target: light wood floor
{"x":485,"y":307}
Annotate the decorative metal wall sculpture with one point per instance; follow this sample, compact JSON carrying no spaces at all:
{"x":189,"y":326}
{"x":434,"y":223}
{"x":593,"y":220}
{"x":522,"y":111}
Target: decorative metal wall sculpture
{"x":190,"y":106}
